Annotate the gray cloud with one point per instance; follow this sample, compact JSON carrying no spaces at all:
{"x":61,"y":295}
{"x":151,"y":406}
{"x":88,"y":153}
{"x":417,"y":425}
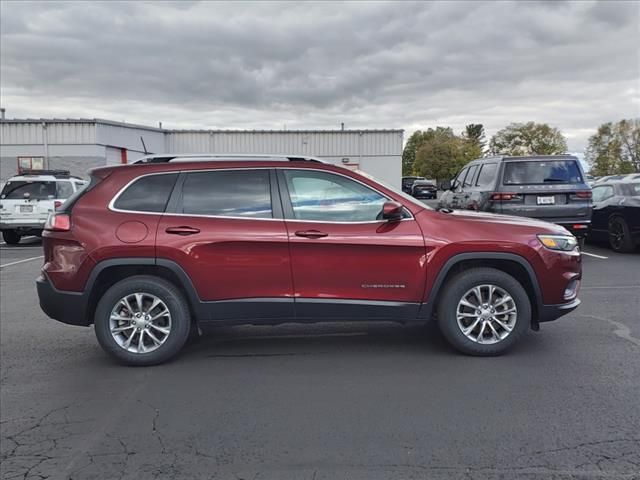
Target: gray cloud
{"x":314,"y":65}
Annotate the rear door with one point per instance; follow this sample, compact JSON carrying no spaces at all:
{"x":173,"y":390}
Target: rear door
{"x":225,"y":229}
{"x":484,"y":187}
{"x":346,"y":261}
{"x":548,"y":189}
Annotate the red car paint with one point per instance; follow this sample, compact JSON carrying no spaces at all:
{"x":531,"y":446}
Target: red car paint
{"x":235,"y":259}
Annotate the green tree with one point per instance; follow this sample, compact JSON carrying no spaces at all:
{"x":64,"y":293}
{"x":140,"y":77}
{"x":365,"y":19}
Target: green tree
{"x":409,"y":152}
{"x":474,"y":133}
{"x":528,"y":139}
{"x":442,"y":154}
{"x":615,"y":148}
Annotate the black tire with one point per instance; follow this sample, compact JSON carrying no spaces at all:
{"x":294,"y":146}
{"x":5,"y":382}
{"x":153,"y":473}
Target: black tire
{"x":160,"y":288}
{"x":453,"y":292}
{"x":11,"y":237}
{"x":581,"y":242}
{"x":619,"y":235}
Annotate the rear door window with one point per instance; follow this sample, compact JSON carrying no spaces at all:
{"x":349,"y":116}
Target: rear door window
{"x":21,"y":189}
{"x":630,"y":189}
{"x":542,"y":172}
{"x":487,"y":175}
{"x":227,"y":193}
{"x":147,"y":194}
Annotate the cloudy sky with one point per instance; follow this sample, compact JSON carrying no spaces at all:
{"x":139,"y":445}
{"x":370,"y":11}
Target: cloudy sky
{"x":313,"y":65}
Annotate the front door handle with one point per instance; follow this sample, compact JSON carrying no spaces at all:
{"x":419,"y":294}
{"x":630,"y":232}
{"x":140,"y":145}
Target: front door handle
{"x":311,"y":234}
{"x":182,"y":230}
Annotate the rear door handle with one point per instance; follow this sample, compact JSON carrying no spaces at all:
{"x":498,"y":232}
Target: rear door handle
{"x":311,"y":234}
{"x":182,"y":230}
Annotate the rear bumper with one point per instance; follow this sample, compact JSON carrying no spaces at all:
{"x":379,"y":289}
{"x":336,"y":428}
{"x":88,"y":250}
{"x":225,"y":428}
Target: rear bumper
{"x":578,"y":229}
{"x":22,"y":225}
{"x":66,"y":307}
{"x":424,"y":195}
{"x":549,"y":313}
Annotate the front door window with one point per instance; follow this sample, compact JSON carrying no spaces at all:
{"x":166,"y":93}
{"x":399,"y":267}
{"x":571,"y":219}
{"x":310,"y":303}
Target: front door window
{"x":325,"y":197}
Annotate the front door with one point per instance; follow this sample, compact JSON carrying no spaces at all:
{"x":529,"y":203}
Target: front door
{"x":347,"y":262}
{"x":228,"y":235}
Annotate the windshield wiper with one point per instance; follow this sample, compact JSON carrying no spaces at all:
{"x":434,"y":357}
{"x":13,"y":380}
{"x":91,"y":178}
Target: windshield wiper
{"x":553,"y":180}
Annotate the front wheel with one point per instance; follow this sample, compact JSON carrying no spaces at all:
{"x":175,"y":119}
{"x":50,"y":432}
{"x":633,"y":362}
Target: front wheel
{"x":143,"y":320}
{"x":11,"y":237}
{"x":484,"y":312}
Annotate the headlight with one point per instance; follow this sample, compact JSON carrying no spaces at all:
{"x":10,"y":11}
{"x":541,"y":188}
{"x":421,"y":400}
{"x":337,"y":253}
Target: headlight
{"x":563,"y":243}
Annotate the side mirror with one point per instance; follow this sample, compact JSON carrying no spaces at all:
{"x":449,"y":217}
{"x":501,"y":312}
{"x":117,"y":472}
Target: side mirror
{"x":446,"y":185}
{"x":392,"y":211}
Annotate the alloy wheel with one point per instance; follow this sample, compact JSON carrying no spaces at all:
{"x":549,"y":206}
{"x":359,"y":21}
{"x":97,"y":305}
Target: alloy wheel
{"x":140,"y":322}
{"x":486,"y":314}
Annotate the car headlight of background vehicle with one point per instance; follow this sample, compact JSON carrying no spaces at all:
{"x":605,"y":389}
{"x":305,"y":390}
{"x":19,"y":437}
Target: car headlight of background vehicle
{"x":563,"y":243}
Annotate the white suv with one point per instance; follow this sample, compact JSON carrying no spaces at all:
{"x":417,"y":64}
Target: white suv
{"x":27,"y":200}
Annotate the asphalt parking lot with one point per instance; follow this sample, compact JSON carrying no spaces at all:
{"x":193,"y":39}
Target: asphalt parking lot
{"x":356,"y":401}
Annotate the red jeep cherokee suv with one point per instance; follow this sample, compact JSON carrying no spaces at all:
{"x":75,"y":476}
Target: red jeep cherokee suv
{"x":150,"y":251}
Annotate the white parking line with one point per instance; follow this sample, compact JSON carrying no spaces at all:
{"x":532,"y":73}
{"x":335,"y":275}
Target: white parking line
{"x":594,"y":255}
{"x":21,"y":261}
{"x":615,"y":287}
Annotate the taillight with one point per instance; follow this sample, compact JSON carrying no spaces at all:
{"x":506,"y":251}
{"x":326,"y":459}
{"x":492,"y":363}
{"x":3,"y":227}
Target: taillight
{"x":583,"y":194}
{"x":58,"y":222}
{"x":57,"y":204}
{"x":501,"y":196}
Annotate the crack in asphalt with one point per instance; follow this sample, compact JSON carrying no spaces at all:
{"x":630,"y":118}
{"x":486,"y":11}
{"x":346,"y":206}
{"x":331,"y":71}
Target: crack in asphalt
{"x":621,"y":330}
{"x":102,"y":431}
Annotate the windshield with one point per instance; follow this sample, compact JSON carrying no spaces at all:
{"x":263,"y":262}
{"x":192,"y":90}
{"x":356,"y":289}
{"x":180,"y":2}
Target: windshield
{"x":542,"y":172}
{"x":16,"y":190}
{"x":400,"y":193}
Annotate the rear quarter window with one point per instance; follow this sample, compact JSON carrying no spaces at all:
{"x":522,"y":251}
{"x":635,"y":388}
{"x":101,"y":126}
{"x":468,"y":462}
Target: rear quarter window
{"x":147,"y":194}
{"x":64,"y":189}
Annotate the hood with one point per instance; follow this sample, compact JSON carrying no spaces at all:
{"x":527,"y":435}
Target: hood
{"x":507,"y":220}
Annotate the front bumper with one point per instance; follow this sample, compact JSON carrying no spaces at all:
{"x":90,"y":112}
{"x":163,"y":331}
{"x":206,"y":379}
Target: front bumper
{"x":549,"y":313}
{"x":66,"y":307}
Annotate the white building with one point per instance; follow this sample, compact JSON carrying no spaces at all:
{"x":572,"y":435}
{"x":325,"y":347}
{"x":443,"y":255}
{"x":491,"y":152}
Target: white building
{"x":80,"y":144}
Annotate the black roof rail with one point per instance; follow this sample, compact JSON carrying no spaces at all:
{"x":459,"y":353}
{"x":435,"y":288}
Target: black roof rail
{"x":212,"y":157}
{"x":55,"y":173}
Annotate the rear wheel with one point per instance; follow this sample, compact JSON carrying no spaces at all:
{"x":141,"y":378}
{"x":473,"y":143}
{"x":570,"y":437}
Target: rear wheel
{"x":143,"y":320}
{"x":11,"y":237}
{"x":619,"y":235}
{"x":484,"y":311}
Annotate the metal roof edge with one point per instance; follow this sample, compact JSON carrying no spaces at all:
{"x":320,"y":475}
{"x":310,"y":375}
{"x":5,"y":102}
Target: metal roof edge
{"x":187,"y":130}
